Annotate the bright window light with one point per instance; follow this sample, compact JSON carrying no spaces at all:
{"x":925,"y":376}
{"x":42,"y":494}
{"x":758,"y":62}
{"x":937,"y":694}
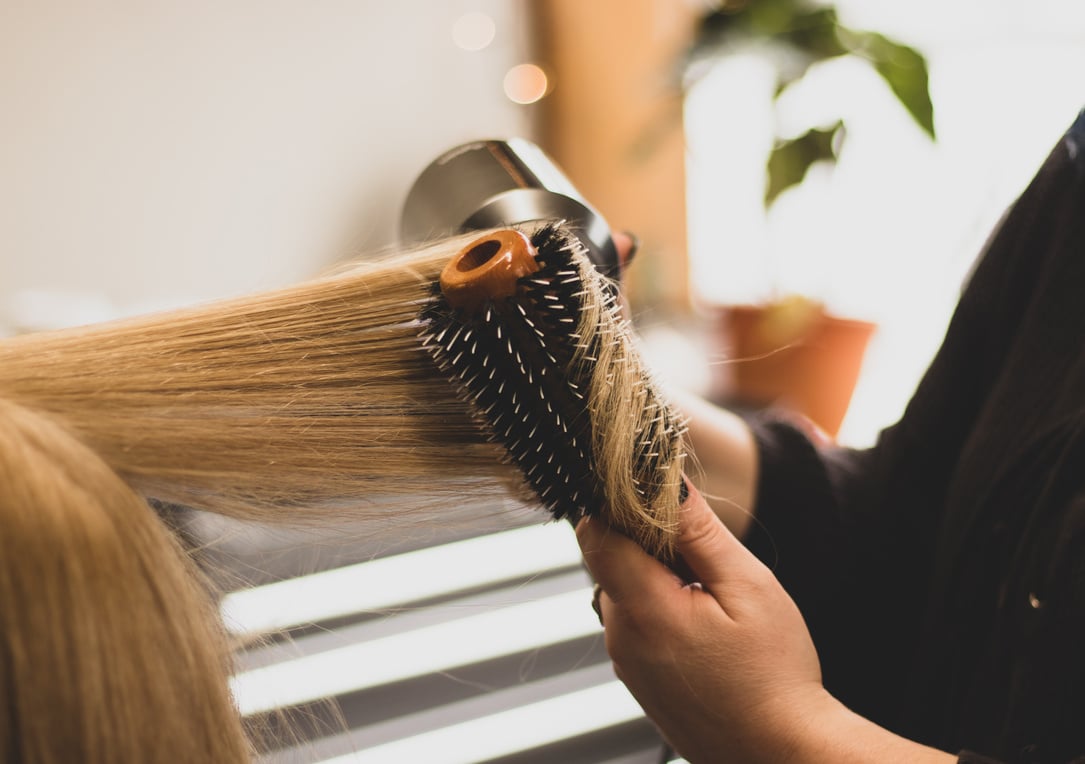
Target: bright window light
{"x":391,"y":581}
{"x":519,"y":729}
{"x":441,"y":647}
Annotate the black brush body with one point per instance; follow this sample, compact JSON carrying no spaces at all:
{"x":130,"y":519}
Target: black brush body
{"x":527,"y":372}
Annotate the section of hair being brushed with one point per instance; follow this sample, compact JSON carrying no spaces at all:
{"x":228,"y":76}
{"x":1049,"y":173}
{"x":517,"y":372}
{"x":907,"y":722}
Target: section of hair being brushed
{"x":320,"y":398}
{"x":534,"y":338}
{"x":316,"y":396}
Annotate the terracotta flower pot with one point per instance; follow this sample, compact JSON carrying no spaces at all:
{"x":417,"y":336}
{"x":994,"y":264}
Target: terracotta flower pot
{"x":790,"y":354}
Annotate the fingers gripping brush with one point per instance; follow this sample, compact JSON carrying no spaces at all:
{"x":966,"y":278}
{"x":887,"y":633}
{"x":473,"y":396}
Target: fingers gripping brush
{"x":533,"y":338}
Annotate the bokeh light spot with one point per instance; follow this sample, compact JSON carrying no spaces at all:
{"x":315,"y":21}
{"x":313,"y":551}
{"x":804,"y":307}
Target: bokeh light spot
{"x":525,"y":83}
{"x":473,"y":31}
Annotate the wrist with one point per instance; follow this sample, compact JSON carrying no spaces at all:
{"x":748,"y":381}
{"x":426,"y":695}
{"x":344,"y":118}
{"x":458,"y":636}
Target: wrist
{"x":830,"y":731}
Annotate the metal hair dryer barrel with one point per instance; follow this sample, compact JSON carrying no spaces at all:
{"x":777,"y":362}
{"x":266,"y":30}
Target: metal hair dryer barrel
{"x":493,"y":183}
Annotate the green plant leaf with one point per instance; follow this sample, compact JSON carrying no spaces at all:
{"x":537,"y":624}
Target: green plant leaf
{"x":812,"y":35}
{"x":791,"y":159}
{"x":768,"y":18}
{"x":808,"y":28}
{"x":813,"y":32}
{"x":903,"y":68}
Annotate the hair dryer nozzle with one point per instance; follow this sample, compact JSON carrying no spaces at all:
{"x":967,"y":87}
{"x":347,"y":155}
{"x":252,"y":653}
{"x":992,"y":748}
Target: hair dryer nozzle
{"x":493,"y":184}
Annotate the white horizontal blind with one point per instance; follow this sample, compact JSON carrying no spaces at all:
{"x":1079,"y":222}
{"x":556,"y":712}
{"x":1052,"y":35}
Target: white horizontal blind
{"x":480,"y":649}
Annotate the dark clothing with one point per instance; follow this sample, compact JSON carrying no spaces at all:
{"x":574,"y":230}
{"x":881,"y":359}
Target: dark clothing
{"x":942,"y":572}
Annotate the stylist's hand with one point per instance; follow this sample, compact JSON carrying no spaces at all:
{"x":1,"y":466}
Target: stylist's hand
{"x":726,"y":669}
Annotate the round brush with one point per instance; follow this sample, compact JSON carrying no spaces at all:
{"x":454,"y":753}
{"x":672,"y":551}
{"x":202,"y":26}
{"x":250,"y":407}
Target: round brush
{"x":533,"y":338}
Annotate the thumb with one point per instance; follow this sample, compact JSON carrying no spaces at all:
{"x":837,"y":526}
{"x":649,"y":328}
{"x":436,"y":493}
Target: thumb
{"x":713,"y":555}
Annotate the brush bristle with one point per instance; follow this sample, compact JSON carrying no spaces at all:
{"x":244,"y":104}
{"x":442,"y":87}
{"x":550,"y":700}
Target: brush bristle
{"x":528,"y":373}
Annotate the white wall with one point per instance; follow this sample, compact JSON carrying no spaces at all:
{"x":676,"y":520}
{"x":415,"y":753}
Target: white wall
{"x":160,"y":153}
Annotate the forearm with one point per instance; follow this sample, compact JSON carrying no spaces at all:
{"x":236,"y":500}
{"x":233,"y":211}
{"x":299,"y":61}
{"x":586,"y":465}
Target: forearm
{"x":724,"y":459}
{"x":814,"y":735}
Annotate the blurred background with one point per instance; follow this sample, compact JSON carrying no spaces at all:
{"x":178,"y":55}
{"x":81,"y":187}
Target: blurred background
{"x":160,"y":154}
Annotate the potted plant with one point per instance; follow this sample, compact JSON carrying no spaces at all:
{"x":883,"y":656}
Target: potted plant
{"x":792,"y":350}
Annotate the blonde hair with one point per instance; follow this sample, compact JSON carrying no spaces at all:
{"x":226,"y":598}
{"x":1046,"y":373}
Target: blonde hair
{"x":637,"y":436}
{"x":311,"y":402}
{"x":109,"y":649}
{"x":316,"y":396}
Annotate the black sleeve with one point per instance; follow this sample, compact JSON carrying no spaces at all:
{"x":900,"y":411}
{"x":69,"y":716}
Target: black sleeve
{"x":851,"y":534}
{"x":967,"y":757}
